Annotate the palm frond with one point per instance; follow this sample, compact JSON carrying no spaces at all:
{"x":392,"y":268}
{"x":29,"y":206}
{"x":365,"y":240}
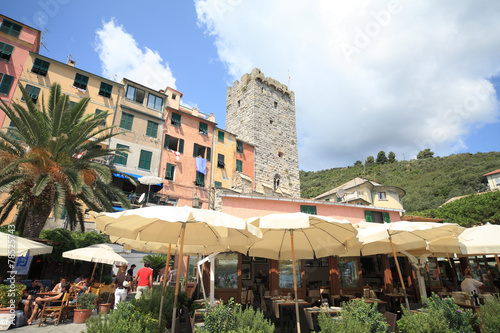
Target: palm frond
{"x":40,"y":184}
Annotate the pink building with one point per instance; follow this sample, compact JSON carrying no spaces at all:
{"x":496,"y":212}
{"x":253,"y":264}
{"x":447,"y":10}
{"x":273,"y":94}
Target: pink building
{"x":16,"y":41}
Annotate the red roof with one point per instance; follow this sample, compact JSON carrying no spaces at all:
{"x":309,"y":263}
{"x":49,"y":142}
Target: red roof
{"x":492,"y":173}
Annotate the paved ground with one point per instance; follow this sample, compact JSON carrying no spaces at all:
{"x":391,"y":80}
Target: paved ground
{"x":67,"y":327}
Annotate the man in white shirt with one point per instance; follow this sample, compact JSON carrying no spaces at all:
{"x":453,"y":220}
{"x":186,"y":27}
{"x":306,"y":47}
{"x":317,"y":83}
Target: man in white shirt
{"x":469,"y":285}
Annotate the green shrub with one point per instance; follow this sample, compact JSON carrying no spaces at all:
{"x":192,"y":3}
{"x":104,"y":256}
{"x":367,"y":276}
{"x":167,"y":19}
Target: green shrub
{"x":249,"y":320}
{"x":86,"y":301}
{"x":437,"y":315}
{"x":220,"y":318}
{"x":489,"y":316}
{"x":357,"y":317}
{"x":125,"y":319}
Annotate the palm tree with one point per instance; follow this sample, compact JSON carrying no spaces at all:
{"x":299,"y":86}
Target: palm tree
{"x":47,"y":162}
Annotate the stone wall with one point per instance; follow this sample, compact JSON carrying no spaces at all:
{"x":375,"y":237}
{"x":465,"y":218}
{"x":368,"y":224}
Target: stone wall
{"x":261,"y":111}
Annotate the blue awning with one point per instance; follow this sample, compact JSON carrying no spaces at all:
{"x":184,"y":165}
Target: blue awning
{"x":117,"y":175}
{"x":117,"y":209}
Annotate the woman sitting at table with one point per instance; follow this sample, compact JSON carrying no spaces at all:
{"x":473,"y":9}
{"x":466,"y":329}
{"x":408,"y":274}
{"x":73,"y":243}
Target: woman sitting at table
{"x":39,"y":300}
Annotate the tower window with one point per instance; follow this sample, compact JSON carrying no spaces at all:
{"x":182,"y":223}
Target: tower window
{"x":276,"y":182}
{"x":281,"y":154}
{"x":238,"y":103}
{"x":275,"y":105}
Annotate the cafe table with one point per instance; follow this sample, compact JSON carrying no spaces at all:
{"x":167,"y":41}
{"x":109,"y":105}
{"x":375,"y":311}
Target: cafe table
{"x":279,"y":305}
{"x":46,"y":293}
{"x":313,"y":313}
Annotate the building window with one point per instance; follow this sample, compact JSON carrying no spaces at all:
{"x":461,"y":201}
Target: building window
{"x":173,"y":144}
{"x":281,"y":154}
{"x":127,"y":121}
{"x":239,"y":165}
{"x":239,"y":147}
{"x":81,"y":81}
{"x":33,"y":92}
{"x":152,"y":129}
{"x":203,"y":128}
{"x":217,"y":184}
{"x":220,"y":161}
{"x":308,"y":209}
{"x":121,"y":157}
{"x":382,"y":196}
{"x":275,"y":105}
{"x":145,"y":159}
{"x":200,"y":151}
{"x":5,"y":83}
{"x":6,"y":51}
{"x":221,"y":136}
{"x":40,"y":67}
{"x":377,"y":217}
{"x":98,"y":112}
{"x":105,"y":90}
{"x":172,"y":202}
{"x":134,"y":94}
{"x":174,"y":96}
{"x":276,"y":182}
{"x":155,"y":102}
{"x":170,"y":172}
{"x":10,"y":28}
{"x":176,"y":120}
{"x":200,"y":179}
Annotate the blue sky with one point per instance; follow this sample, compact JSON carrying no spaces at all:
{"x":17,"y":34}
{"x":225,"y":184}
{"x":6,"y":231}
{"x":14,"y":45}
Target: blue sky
{"x":396,"y":76}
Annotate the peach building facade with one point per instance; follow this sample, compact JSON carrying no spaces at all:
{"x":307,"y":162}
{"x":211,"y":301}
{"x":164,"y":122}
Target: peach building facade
{"x":186,"y":154}
{"x":17,"y":40}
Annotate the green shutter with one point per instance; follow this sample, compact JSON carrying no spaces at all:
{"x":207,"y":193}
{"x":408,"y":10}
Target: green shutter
{"x":152,"y":129}
{"x":239,"y":147}
{"x":368,"y":216}
{"x":308,"y":209}
{"x":40,"y":67}
{"x":6,"y":84}
{"x":145,"y":160}
{"x":200,"y":179}
{"x":387,"y":218}
{"x":6,"y":51}
{"x":209,"y":153}
{"x":195,"y":150}
{"x":181,"y":146}
{"x":239,"y":165}
{"x":105,"y":89}
{"x":126,"y":121}
{"x":81,"y":81}
{"x":167,"y":141}
{"x":11,"y":28}
{"x":217,"y":184}
{"x":221,"y":136}
{"x":169,"y":173}
{"x":203,"y":129}
{"x":121,"y":157}
{"x":176,"y":119}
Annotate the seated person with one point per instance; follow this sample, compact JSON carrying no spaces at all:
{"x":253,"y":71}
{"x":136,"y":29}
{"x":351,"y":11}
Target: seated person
{"x":58,"y":287}
{"x":36,"y":287}
{"x":81,"y":287}
{"x":39,"y":300}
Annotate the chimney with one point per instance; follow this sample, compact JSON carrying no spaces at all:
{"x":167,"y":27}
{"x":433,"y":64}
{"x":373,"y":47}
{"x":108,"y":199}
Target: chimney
{"x":71,"y":62}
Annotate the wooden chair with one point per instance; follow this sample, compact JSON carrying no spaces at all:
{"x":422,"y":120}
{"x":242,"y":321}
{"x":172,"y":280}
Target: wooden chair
{"x":56,"y":312}
{"x":390,"y":318}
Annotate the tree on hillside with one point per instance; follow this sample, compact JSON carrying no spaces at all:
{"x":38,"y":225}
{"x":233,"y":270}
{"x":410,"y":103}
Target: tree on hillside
{"x":381,"y":158}
{"x":391,"y":158}
{"x":358,"y":163}
{"x":370,"y":160}
{"x":426,"y":153}
{"x":470,"y":210}
{"x":42,"y":168}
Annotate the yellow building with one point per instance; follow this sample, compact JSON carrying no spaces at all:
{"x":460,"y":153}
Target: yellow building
{"x":360,"y":191}
{"x":41,"y":72}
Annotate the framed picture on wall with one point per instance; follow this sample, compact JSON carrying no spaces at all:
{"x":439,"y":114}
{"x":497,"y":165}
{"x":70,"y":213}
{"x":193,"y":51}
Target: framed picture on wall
{"x":323,"y":262}
{"x":246,"y":272}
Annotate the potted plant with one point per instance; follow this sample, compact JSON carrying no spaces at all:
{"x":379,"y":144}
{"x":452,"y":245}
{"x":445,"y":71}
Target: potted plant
{"x":6,"y":296}
{"x":84,"y":306}
{"x":104,"y":301}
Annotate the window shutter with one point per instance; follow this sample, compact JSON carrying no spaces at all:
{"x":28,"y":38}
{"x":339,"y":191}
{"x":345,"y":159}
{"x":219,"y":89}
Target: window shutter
{"x":167,"y":141}
{"x":387,"y":218}
{"x":168,"y":172}
{"x":368,"y":216}
{"x":181,"y":146}
{"x":209,"y":153}
{"x":195,"y":150}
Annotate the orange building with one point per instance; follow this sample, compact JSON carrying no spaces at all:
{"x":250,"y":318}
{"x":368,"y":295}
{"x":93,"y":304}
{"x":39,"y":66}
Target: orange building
{"x":185,"y":159}
{"x":16,"y":41}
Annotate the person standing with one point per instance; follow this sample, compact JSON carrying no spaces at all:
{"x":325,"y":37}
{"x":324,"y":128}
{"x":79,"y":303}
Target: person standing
{"x":130,"y":277}
{"x":143,"y":280}
{"x":470,"y":285}
{"x":120,"y":289}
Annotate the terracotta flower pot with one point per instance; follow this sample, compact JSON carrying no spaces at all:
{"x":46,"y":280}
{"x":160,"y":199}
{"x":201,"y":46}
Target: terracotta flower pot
{"x":81,"y":315}
{"x":104,"y":307}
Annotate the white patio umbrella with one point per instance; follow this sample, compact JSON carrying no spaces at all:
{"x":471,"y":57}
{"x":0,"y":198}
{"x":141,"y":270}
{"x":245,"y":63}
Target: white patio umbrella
{"x":19,"y":246}
{"x":97,"y":253}
{"x":404,"y":236}
{"x":475,"y":240}
{"x":149,"y":180}
{"x":171,"y":225}
{"x":300,"y":236}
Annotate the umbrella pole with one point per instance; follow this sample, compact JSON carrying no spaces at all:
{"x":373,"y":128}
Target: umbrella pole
{"x":177,"y":277}
{"x":498,"y":261}
{"x":164,"y":284}
{"x":102,"y":269}
{"x":399,"y":272}
{"x":295,"y":283}
{"x":95,"y":265}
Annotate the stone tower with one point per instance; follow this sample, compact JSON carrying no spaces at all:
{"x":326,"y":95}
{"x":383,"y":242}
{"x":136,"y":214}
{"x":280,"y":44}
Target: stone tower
{"x":261,"y":111}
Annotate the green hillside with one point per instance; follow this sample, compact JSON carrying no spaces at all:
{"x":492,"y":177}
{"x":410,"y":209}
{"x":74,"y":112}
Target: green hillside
{"x":428,"y":182}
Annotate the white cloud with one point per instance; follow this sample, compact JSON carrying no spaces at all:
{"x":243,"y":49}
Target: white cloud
{"x":396,"y":76}
{"x":121,"y":57}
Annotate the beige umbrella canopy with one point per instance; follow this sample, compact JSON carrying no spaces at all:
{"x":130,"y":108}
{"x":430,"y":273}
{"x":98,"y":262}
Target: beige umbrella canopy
{"x":19,"y":246}
{"x":300,"y":236}
{"x":476,"y":240}
{"x":183,"y":225}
